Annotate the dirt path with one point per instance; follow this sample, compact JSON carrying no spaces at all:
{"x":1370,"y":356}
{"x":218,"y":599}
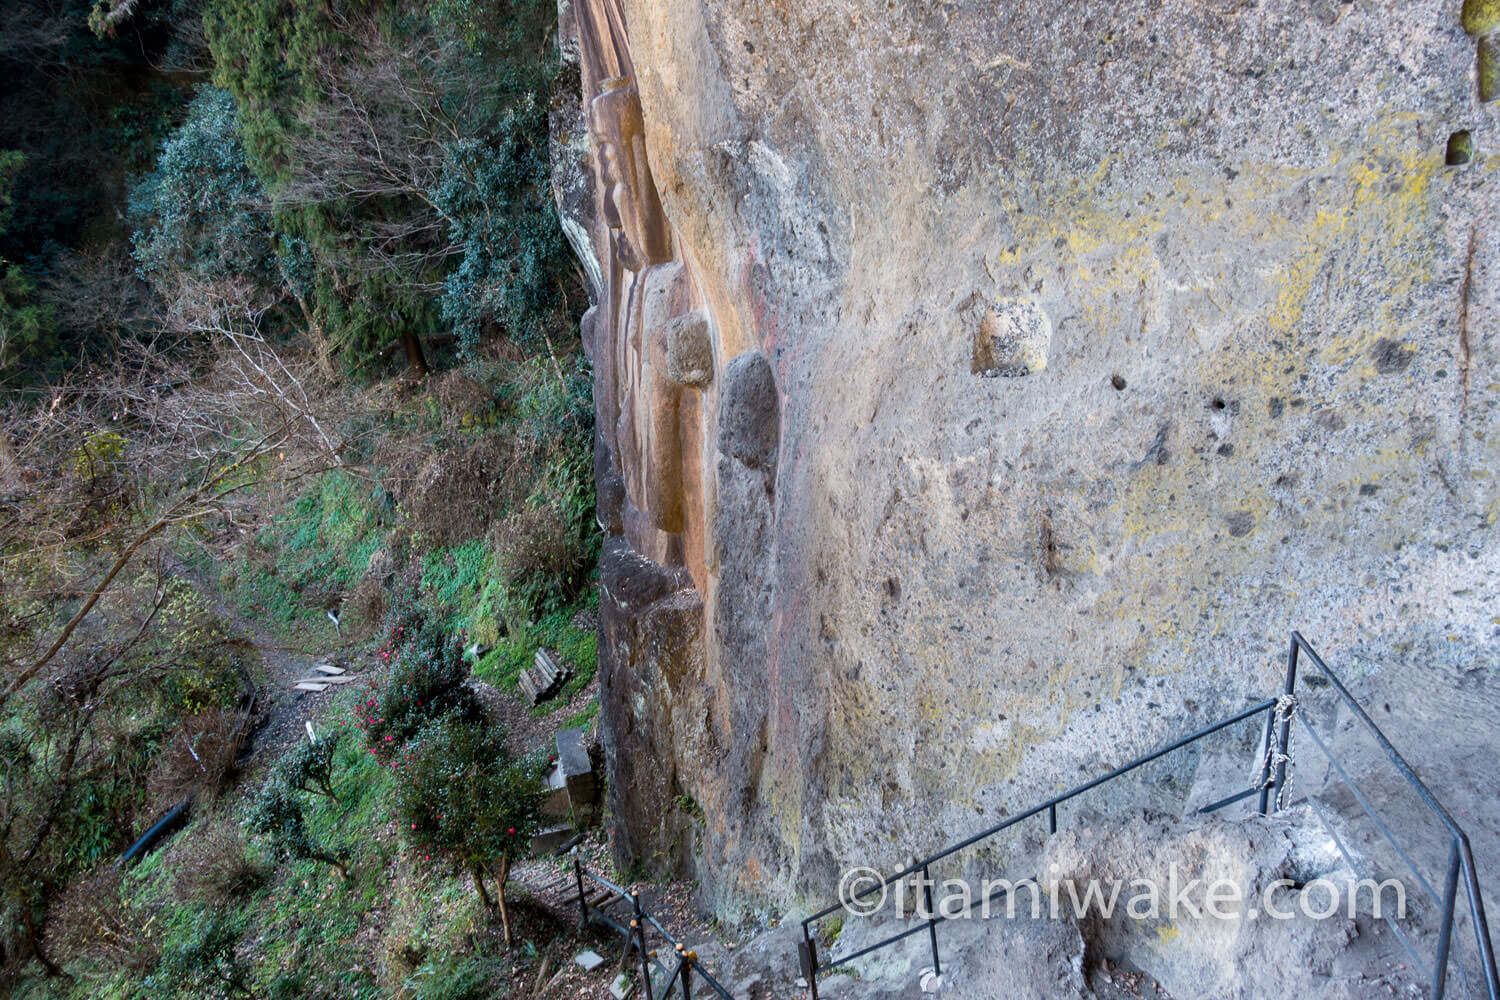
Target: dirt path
{"x":281,"y":713}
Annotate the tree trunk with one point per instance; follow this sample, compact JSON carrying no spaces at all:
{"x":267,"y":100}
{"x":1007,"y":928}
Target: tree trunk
{"x":416,"y":363}
{"x":501,"y":877}
{"x":322,"y":349}
{"x":484,"y":894}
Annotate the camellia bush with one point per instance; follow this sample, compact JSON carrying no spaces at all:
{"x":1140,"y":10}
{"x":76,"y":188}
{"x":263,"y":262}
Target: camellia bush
{"x":426,"y":682}
{"x":465,"y":802}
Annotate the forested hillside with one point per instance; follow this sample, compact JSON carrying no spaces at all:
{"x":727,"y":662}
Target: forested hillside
{"x":291,"y":372}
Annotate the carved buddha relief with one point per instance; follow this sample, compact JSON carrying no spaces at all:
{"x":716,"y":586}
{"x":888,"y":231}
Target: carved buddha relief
{"x":651,"y":317}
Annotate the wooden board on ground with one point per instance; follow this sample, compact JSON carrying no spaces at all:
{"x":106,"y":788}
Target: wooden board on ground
{"x":546,"y":677}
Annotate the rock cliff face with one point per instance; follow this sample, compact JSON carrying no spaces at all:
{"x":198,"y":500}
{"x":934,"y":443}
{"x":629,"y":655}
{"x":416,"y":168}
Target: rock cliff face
{"x":984,"y":390}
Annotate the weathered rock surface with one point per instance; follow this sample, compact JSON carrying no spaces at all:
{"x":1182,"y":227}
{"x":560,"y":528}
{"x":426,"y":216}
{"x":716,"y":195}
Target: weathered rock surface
{"x":1190,"y":951}
{"x":1247,"y":317}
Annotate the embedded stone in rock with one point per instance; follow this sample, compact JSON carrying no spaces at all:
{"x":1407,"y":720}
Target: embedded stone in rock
{"x":1489,"y":67}
{"x":749,"y":411}
{"x":1480,"y":17}
{"x":1240,"y":522}
{"x":1390,"y":356}
{"x":1012,"y":339}
{"x":690,"y":353}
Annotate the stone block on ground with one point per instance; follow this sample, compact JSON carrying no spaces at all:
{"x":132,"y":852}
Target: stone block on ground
{"x":589,"y":960}
{"x":556,"y":804}
{"x":551,"y":839}
{"x":575,"y":767}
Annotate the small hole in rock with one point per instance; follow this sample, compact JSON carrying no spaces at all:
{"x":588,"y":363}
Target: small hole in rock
{"x":1117,"y":381}
{"x":1460,"y":148}
{"x":1218,"y":403}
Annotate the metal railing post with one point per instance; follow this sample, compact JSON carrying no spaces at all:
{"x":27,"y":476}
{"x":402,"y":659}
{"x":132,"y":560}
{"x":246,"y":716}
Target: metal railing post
{"x":687,"y":974}
{"x":1445,"y":934}
{"x":1476,"y":914}
{"x":1264,"y":781}
{"x":937,"y":965}
{"x":1052,"y":818}
{"x":582,"y":903}
{"x":807,"y":958}
{"x":639,"y":925}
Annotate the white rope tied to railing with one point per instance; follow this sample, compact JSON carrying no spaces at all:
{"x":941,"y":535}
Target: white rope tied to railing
{"x":1277,"y":755}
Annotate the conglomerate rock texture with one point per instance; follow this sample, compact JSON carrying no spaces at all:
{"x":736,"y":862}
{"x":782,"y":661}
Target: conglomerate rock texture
{"x":986,"y":389}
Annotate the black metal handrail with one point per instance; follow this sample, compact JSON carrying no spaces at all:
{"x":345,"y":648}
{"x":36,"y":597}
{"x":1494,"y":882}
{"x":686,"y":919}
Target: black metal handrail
{"x":1460,"y":855}
{"x":1272,"y":777}
{"x":636,"y":936}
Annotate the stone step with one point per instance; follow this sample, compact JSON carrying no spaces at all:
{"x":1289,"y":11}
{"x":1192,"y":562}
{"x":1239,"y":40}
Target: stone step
{"x":324,"y":667}
{"x":314,"y":686}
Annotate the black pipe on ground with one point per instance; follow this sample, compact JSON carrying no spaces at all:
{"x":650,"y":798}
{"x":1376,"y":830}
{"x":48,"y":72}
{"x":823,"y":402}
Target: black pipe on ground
{"x":174,"y":818}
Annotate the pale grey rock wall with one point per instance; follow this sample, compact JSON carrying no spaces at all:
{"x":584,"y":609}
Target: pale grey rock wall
{"x":1111,"y":341}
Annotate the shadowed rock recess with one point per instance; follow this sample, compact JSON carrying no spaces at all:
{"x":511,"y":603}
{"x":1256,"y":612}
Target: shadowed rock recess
{"x":985,"y":390}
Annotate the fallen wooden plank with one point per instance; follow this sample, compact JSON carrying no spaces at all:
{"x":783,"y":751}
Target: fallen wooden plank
{"x":326,"y":679}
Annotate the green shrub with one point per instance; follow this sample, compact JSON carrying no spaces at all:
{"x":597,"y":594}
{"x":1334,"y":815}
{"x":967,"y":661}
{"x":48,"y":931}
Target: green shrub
{"x":450,"y":978}
{"x":201,"y":960}
{"x":308,"y":766}
{"x":278,"y":816}
{"x":465,"y":802}
{"x":201,"y":212}
{"x":426,"y":682}
{"x":546,"y":550}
